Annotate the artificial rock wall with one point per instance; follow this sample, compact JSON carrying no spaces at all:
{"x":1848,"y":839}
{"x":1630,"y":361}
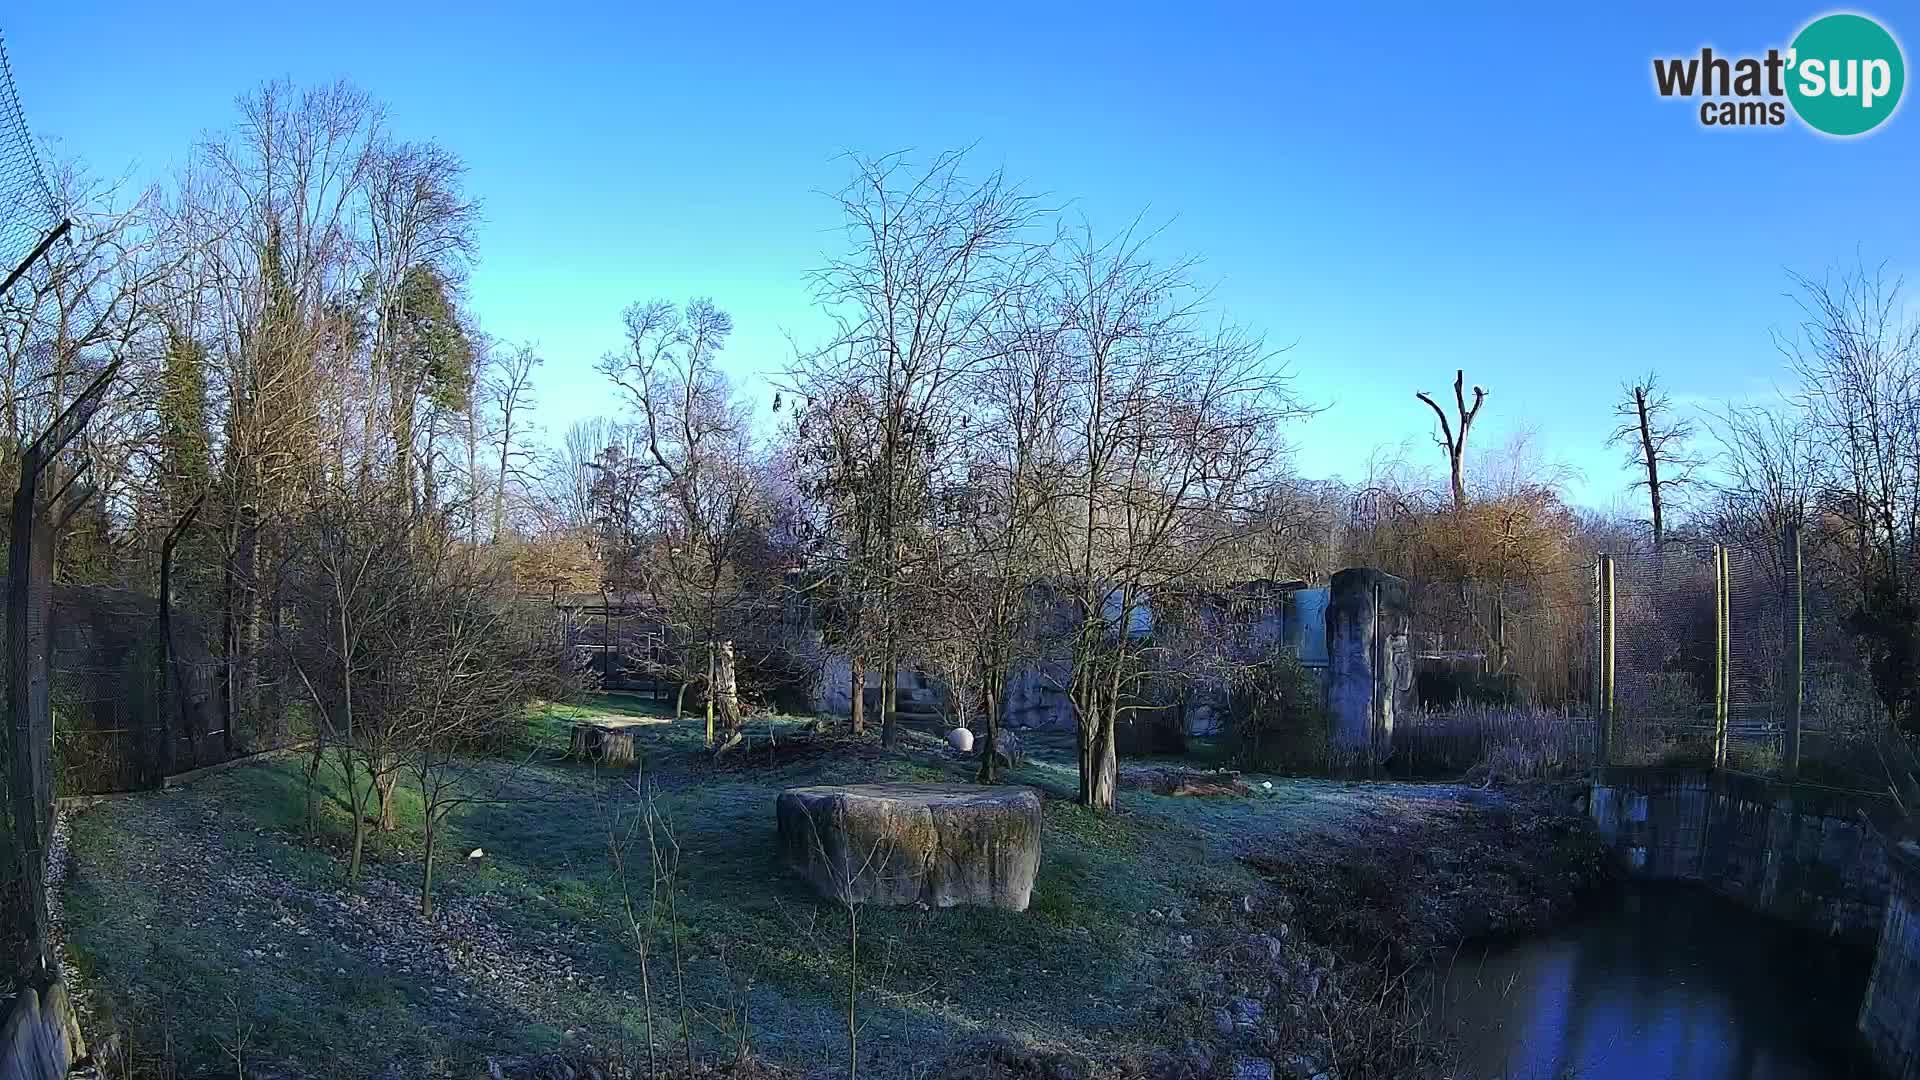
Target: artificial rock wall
{"x":1890,"y":1014}
{"x":41,"y":1039}
{"x":1369,"y":662}
{"x":1794,"y":852}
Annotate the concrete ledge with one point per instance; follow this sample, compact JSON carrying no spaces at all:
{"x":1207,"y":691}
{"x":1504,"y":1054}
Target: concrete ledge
{"x":1807,"y":854}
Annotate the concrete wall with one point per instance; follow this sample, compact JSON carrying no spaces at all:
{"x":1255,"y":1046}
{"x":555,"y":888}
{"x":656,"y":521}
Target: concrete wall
{"x":41,"y":1038}
{"x":1890,"y":1014}
{"x":1800,"y":853}
{"x":1368,"y":653}
{"x":833,"y":689}
{"x":1036,"y":695}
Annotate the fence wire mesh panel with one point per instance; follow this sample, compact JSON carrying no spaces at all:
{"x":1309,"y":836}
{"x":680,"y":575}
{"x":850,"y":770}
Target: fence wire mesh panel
{"x":1739,"y":656}
{"x":119,"y":722}
{"x":1757,"y":667}
{"x":1664,"y":643}
{"x":30,"y":219}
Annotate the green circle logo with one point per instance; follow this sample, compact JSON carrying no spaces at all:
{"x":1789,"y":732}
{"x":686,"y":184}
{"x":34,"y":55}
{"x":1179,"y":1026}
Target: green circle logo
{"x":1845,"y":74}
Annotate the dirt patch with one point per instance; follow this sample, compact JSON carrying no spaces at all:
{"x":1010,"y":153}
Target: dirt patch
{"x":1177,"y":781}
{"x":759,"y":752}
{"x":1449,"y":874}
{"x":1324,"y":969}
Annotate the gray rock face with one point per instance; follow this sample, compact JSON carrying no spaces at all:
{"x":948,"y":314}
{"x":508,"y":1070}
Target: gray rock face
{"x":41,"y":1037}
{"x":938,"y":844}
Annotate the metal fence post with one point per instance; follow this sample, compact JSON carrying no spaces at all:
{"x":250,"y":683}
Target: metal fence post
{"x":1796,"y":648}
{"x":1603,"y":678}
{"x":30,"y":790}
{"x":1721,"y":625}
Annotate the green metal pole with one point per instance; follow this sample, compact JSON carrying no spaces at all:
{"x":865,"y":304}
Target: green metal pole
{"x":1796,"y":649}
{"x":1721,"y":610}
{"x":1603,"y":712}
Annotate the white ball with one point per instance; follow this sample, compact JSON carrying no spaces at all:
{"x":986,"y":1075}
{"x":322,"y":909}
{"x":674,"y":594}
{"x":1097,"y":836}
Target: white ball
{"x":960,"y":739}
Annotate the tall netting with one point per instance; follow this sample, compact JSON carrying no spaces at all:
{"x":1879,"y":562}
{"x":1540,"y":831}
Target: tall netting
{"x":1758,"y":673}
{"x":28,"y":209}
{"x":1844,"y":724}
{"x":1719,"y":652}
{"x":1662,"y":689}
{"x":43,"y":410}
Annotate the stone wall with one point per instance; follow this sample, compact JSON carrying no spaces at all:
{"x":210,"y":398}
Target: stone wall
{"x":41,"y":1038}
{"x":1796,"y":852}
{"x":1890,"y":1015}
{"x":1369,"y":662}
{"x":1035,"y":692}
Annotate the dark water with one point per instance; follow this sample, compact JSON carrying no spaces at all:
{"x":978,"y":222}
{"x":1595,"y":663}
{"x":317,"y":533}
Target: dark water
{"x":1664,"y":982}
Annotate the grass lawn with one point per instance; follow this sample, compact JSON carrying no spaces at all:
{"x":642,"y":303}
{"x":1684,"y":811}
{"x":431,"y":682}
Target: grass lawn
{"x":202,"y":920}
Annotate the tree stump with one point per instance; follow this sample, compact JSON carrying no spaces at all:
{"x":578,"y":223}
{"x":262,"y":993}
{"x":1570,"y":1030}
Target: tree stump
{"x":937,"y":844}
{"x":608,"y":740}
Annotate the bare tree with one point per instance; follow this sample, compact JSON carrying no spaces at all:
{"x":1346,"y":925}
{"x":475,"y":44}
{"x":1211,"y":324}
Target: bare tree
{"x":1771,"y":468}
{"x":419,"y":232}
{"x":692,"y":500}
{"x":347,"y":612}
{"x":1170,"y":431}
{"x":931,"y":258}
{"x":1455,"y":445}
{"x":1857,"y":356}
{"x":267,"y":217}
{"x":508,"y":387}
{"x":1656,"y":443}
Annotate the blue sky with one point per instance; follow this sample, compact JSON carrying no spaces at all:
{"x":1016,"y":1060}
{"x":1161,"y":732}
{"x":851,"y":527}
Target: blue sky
{"x":1396,"y":192}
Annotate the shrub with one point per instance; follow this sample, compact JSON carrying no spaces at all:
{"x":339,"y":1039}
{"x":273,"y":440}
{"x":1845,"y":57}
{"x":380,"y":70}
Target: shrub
{"x":1277,"y":717}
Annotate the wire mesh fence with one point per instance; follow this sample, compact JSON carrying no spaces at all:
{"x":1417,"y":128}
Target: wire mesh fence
{"x":30,"y":219}
{"x":1732,"y":656}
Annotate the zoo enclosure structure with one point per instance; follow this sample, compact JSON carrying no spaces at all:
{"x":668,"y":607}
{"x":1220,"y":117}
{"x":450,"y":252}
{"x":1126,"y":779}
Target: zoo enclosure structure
{"x":44,"y":366}
{"x":1730,"y":656}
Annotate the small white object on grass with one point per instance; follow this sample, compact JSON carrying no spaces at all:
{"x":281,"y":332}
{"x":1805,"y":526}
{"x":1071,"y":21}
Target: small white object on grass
{"x":476,"y":853}
{"x":960,"y":739}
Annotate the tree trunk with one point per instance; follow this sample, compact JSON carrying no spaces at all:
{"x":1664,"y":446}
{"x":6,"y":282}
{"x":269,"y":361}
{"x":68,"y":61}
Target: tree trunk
{"x":403,"y":415}
{"x":385,"y":784}
{"x":680,"y":701}
{"x":1652,"y":458}
{"x":426,"y":862}
{"x":889,"y":676}
{"x":1105,"y":760}
{"x":857,"y":705}
{"x":989,"y":769}
{"x":236,"y":602}
{"x":1086,"y":729}
{"x":429,"y":481}
{"x":726,"y":688}
{"x":313,"y":775}
{"x":357,"y":804}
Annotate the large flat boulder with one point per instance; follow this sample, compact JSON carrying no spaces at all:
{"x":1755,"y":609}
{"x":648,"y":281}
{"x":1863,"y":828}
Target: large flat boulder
{"x":938,"y":844}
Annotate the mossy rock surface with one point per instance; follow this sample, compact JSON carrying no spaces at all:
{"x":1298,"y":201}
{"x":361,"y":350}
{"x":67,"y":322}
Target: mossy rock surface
{"x":937,"y":844}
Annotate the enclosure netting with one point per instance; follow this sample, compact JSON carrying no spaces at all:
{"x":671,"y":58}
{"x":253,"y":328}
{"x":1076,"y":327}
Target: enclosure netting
{"x":1669,"y":633}
{"x":29,"y":214}
{"x":1663,"y":635}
